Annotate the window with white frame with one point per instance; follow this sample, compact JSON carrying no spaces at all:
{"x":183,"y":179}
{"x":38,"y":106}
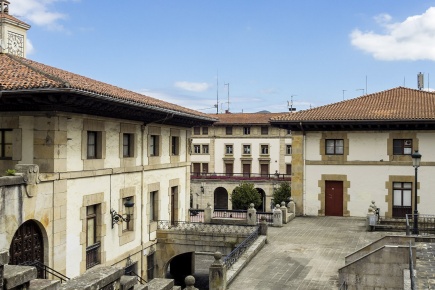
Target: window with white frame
{"x":154,"y":145}
{"x":246,"y":149}
{"x":264,"y":149}
{"x":197,"y":149}
{"x":205,"y":149}
{"x":246,"y":130}
{"x":228,"y":149}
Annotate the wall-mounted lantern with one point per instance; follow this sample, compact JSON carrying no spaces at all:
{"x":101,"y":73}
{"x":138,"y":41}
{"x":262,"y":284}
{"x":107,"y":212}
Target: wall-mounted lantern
{"x":119,"y":217}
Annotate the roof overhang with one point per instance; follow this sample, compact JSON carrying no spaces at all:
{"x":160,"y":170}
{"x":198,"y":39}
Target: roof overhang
{"x":82,"y":102}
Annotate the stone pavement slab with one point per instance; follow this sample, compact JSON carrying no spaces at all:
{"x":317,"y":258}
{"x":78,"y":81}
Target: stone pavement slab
{"x":305,"y":254}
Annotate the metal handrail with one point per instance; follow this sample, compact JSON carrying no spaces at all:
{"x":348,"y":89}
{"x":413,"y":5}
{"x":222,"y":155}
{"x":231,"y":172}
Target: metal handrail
{"x":411,"y":267}
{"x":139,"y":278}
{"x":235,"y":254}
{"x":343,"y":286}
{"x":46,"y":270}
{"x":426,"y":223}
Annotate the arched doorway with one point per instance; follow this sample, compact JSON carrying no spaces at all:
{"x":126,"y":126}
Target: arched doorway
{"x":262,"y":194}
{"x":220,"y":198}
{"x":27,"y":245}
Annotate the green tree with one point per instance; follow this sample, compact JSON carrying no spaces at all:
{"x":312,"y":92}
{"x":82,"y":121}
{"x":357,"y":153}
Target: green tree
{"x":245,"y":194}
{"x":282,"y":193}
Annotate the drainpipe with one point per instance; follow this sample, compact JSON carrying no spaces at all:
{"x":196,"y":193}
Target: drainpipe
{"x":304,"y":147}
{"x":142,"y":196}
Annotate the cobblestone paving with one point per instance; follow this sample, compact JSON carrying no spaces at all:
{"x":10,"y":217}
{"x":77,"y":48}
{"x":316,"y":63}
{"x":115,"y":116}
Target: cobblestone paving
{"x":425,"y":266}
{"x":305,"y":254}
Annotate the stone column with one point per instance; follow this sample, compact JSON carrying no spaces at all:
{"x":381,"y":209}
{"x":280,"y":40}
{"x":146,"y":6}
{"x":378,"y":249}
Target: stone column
{"x":217,"y":278}
{"x":251,"y":216}
{"x":208,"y":213}
{"x":284,"y":212}
{"x":190,"y":283}
{"x":277,"y":216}
{"x":291,"y":206}
{"x":263,"y":226}
{"x":4,"y":260}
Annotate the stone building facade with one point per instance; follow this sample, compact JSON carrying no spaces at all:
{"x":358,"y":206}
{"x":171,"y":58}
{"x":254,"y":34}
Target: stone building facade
{"x":239,"y":147}
{"x":92,"y":150}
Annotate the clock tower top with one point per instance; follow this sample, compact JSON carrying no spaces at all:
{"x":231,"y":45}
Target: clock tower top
{"x":12,"y":32}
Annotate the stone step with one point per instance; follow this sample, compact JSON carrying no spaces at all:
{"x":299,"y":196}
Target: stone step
{"x":44,"y":284}
{"x":140,"y":287}
{"x":176,"y":288}
{"x":15,"y":276}
{"x":161,"y":284}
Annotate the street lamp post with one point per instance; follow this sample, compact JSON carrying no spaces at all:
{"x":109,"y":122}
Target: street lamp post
{"x":416,"y":157}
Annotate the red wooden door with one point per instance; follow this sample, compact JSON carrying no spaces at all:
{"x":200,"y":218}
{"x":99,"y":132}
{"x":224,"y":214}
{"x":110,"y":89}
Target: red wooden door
{"x":334,"y":198}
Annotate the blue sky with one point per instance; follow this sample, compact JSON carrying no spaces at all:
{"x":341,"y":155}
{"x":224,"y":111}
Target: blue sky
{"x":267,"y":51}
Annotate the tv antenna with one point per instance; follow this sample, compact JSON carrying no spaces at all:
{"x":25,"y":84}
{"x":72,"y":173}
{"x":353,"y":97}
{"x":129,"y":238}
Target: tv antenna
{"x":290,"y":104}
{"x":228,"y":85}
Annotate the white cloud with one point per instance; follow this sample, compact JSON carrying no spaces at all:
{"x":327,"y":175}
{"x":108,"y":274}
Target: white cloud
{"x":412,"y":39}
{"x":29,"y":47}
{"x":192,"y":87}
{"x":38,"y":12}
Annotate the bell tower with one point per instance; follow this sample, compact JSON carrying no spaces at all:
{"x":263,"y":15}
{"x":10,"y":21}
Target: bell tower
{"x":12,"y":32}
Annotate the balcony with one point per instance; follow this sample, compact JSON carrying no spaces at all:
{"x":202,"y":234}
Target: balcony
{"x":240,"y":176}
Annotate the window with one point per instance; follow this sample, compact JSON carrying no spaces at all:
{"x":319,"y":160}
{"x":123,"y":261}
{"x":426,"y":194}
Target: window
{"x":264,"y":169}
{"x":264,"y":130}
{"x":402,"y":195}
{"x":94,"y":145}
{"x":5,"y":144}
{"x":175,"y":145}
{"x":127,"y":145}
{"x":127,"y":225}
{"x":229,"y":169}
{"x":196,"y":130}
{"x":150,"y":266}
{"x":205,"y":168}
{"x":288,"y":169}
{"x":154,"y":206}
{"x":402,"y":146}
{"x":246,"y":130}
{"x":92,"y":244}
{"x":288,"y":149}
{"x":246,"y":170}
{"x":196,"y":168}
{"x":229,"y":130}
{"x":205,"y":149}
{"x":197,"y":149}
{"x":154,"y":145}
{"x":228,"y":149}
{"x":265,"y":149}
{"x":204,"y":130}
{"x":334,"y":146}
{"x":246,"y":149}
{"x":289,"y":132}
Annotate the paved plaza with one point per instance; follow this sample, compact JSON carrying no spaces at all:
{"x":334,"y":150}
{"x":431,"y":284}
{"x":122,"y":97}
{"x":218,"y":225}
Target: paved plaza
{"x":305,"y":254}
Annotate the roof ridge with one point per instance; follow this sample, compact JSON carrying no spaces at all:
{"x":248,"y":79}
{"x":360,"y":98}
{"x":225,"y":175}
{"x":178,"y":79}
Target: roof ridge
{"x":47,"y":75}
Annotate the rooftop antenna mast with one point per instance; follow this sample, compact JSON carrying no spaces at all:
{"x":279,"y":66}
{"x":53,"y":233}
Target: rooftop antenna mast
{"x":343,"y":93}
{"x":228,"y":85}
{"x":290,"y":104}
{"x":217,"y":92}
{"x":420,"y":81}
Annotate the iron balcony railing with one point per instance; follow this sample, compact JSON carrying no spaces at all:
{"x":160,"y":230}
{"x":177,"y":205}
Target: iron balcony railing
{"x":240,"y":176}
{"x":46,"y":271}
{"x":92,"y":256}
{"x":235,"y":254}
{"x":197,"y":215}
{"x":426,"y":224}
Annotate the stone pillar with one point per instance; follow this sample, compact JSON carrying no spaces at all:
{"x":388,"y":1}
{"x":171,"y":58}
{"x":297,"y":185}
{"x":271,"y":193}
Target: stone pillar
{"x":4,"y":260}
{"x":291,"y":206}
{"x":207,"y":214}
{"x":277,"y":216}
{"x":284,"y":212}
{"x":251,"y":216}
{"x":263,"y":226}
{"x":190,"y":283}
{"x":217,"y":278}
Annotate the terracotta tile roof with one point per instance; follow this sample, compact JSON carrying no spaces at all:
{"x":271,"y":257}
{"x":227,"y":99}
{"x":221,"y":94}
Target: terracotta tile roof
{"x":244,"y":118}
{"x":13,"y":19}
{"x":391,"y":105}
{"x":19,"y":74}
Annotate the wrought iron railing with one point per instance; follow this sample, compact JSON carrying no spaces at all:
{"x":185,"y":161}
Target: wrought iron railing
{"x":92,"y":256}
{"x":139,"y":278}
{"x":240,"y":176}
{"x":235,"y":254}
{"x":225,"y":213}
{"x":268,"y":216}
{"x":201,"y":227}
{"x":426,"y":224}
{"x":46,"y":271}
{"x":411,"y":267}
